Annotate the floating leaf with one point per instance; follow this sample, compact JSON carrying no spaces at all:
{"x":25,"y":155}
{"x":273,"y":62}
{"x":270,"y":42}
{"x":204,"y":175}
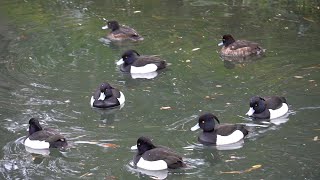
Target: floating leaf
{"x":315,"y":138}
{"x":298,"y":77}
{"x":165,"y":108}
{"x":136,"y":12}
{"x":195,"y":49}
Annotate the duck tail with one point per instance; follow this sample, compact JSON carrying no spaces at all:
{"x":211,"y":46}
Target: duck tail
{"x":283,"y":99}
{"x":243,"y":128}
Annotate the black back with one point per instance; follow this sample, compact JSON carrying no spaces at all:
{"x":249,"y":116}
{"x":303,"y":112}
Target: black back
{"x":261,"y":105}
{"x":133,"y":58}
{"x":211,"y":127}
{"x":150,"y":152}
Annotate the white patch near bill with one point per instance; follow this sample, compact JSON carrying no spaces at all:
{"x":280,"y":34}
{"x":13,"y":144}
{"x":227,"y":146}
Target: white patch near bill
{"x":250,"y":112}
{"x":105,"y":27}
{"x":119,"y":62}
{"x":135,"y":147}
{"x":152,"y":165}
{"x":195,"y":127}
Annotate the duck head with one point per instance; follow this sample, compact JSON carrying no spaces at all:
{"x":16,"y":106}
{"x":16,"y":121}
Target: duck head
{"x":128,"y":57}
{"x":226,"y":40}
{"x":257,"y":105}
{"x":208,"y":122}
{"x":113,"y":25}
{"x":34,"y":126}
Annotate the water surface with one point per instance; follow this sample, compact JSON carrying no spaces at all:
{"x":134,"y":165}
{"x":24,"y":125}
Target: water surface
{"x":52,"y":60}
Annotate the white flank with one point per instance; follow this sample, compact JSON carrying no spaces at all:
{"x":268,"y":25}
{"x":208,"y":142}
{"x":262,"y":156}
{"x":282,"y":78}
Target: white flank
{"x":150,"y":75}
{"x":120,"y":62}
{"x":102,"y":96}
{"x":196,"y":127}
{"x":135,"y":147}
{"x":91,"y":101}
{"x":121,"y":99}
{"x":232,"y":146}
{"x":160,"y":174}
{"x":44,"y":152}
{"x":220,"y":44}
{"x":105,"y":27}
{"x":152,"y":165}
{"x":279,"y":112}
{"x":232,"y":138}
{"x":35,"y":144}
{"x":144,"y":69}
{"x":250,"y":112}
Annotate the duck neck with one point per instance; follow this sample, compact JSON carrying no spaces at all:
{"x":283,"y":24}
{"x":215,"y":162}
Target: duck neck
{"x":34,"y":128}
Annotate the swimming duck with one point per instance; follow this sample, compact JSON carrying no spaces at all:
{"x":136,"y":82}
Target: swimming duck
{"x":216,"y":134}
{"x":40,"y":138}
{"x":132,"y":62}
{"x":121,"y":33}
{"x":107,"y":97}
{"x":267,"y":107}
{"x":151,"y":157}
{"x":239,"y":48}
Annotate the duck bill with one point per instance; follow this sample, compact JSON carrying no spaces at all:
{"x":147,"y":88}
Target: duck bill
{"x":196,"y":127}
{"x":135,"y":147}
{"x":105,"y":27}
{"x":250,"y":112}
{"x":120,"y":62}
{"x":220,"y":44}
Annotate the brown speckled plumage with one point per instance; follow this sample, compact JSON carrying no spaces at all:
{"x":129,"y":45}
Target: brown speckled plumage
{"x":239,"y":48}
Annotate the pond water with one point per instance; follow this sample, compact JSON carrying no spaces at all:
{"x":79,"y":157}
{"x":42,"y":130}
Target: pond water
{"x":52,"y":60}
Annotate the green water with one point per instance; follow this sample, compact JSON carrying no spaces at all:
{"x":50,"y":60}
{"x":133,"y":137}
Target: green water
{"x":51,"y":61}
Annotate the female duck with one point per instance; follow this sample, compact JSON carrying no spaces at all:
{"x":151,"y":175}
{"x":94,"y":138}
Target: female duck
{"x":43,"y":138}
{"x":132,"y":62}
{"x":216,"y":134}
{"x":107,"y":97}
{"x":151,"y":157}
{"x":121,"y":33}
{"x":239,"y":48}
{"x":267,"y":107}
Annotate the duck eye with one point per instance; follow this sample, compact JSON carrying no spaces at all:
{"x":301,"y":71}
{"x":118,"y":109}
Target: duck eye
{"x":138,"y":144}
{"x":256,"y":105}
{"x":202,"y":122}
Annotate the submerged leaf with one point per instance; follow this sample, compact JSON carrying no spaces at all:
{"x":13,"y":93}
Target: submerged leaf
{"x":109,"y":145}
{"x":245,"y":171}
